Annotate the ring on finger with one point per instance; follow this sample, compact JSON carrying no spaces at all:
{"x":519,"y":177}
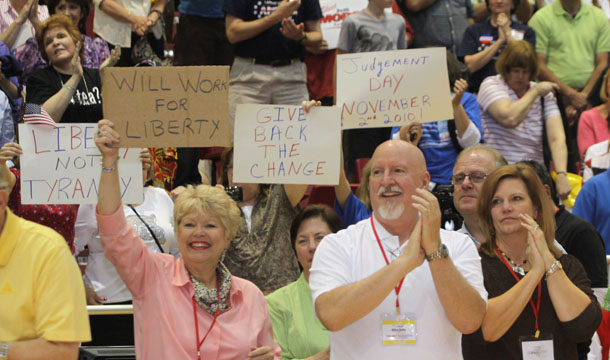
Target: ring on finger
{"x":99,"y":133}
{"x":536,"y":227}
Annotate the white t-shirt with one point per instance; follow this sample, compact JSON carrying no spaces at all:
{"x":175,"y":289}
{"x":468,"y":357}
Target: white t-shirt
{"x":523,"y":141}
{"x":157,"y":210}
{"x":353,"y":254}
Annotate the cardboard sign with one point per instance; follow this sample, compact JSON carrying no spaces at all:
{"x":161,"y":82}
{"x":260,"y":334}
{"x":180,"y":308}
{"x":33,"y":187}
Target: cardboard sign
{"x":62,"y":166}
{"x":333,"y":14}
{"x":168,"y":106}
{"x":393,"y":88}
{"x":281,"y":144}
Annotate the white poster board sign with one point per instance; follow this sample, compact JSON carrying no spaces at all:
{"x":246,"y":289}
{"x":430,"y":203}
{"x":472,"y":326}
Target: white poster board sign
{"x":393,"y":88}
{"x":62,"y":166}
{"x":333,"y":14}
{"x":281,"y":144}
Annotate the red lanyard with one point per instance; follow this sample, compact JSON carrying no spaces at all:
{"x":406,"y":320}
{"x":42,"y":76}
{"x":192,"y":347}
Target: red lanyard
{"x":396,"y":288}
{"x":535,"y":309}
{"x":211,"y":326}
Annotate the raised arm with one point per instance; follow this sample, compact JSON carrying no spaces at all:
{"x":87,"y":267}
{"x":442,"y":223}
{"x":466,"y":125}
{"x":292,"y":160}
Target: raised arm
{"x":510,"y":114}
{"x":476,"y":61}
{"x":57,"y":104}
{"x":109,"y":196}
{"x":8,"y":152}
{"x":240,"y":30}
{"x":29,"y":10}
{"x":346,"y":304}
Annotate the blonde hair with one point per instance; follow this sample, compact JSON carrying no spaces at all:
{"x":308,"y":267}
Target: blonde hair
{"x":211,"y":201}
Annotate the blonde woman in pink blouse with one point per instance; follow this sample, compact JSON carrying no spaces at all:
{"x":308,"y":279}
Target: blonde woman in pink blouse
{"x":191,"y":307}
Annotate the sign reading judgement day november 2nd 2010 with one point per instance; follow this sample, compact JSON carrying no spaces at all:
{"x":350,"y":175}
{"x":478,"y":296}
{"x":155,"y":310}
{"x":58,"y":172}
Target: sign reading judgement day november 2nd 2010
{"x":184,"y":106}
{"x":393,"y":88}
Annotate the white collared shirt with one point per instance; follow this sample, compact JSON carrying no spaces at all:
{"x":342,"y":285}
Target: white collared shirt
{"x":353,"y":254}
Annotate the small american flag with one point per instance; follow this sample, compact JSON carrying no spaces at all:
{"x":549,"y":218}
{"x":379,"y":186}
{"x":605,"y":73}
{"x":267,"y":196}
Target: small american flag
{"x":37,"y":115}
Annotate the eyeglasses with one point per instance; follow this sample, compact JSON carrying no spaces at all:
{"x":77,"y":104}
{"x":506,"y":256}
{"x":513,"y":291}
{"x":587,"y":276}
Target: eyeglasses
{"x":476,"y":177}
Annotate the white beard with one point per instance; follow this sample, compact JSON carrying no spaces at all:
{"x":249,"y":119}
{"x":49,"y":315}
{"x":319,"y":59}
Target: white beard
{"x":390,"y":210}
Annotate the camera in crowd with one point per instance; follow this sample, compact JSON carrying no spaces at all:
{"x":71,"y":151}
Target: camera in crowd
{"x":235,"y":192}
{"x":450,"y":218}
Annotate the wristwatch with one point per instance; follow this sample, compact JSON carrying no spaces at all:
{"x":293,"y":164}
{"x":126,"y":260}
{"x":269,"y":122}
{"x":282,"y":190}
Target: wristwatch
{"x":441,"y":253}
{"x":3,"y":350}
{"x":554,"y":268}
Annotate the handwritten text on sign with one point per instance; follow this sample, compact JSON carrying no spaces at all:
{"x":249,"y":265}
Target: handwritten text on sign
{"x":62,"y":166}
{"x":168,"y":106}
{"x":393,"y":88}
{"x":280,"y":144}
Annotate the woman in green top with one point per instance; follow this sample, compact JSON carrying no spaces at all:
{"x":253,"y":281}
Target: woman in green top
{"x":295,"y":326}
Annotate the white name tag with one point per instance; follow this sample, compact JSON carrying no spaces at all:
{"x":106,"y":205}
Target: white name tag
{"x":398,"y":329}
{"x":537,"y":349}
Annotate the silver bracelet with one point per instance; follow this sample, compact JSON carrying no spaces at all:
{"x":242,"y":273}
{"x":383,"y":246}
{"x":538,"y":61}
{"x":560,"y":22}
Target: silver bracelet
{"x":554,"y":268}
{"x":110,"y":169}
{"x":68,"y":87}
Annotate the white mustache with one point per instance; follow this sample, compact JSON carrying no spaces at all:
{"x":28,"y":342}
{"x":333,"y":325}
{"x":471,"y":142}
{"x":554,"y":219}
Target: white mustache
{"x":383,"y":189}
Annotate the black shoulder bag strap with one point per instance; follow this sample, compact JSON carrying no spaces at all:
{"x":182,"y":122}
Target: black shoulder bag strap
{"x":148,"y":227}
{"x":546,"y":149}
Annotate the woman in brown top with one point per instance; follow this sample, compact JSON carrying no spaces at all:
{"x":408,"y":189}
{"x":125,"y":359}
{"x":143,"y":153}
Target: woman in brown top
{"x":261,"y":250}
{"x":534,"y":290}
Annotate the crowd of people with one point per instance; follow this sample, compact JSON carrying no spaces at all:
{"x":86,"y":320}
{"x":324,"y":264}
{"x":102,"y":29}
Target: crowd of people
{"x":257,"y":275}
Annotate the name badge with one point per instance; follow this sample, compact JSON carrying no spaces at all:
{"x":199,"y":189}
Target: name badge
{"x":398,"y":329}
{"x":540,"y":348}
{"x":517,"y":34}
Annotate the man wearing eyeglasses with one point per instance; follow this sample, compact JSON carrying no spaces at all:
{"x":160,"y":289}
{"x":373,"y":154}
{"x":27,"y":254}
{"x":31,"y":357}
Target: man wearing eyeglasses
{"x":470,"y":171}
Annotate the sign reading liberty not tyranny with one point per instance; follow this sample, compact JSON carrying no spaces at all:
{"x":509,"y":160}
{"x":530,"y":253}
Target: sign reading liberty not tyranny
{"x":61,"y":165}
{"x":393,"y":88}
{"x":169,"y":106}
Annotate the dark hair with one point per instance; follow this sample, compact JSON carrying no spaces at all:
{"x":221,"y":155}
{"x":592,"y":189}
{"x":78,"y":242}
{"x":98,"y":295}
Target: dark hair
{"x":546,"y":214}
{"x":85,"y":7}
{"x":324,"y":212}
{"x":55,"y":21}
{"x":544,"y":176}
{"x":453,"y":68}
{"x":225,"y":159}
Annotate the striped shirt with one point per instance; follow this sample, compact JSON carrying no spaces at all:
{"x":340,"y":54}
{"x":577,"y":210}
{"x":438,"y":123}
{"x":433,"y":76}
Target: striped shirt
{"x":8,"y":14}
{"x":523,"y":141}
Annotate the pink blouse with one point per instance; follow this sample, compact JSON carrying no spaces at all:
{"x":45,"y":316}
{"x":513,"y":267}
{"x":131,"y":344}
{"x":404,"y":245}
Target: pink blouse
{"x":592,"y":129}
{"x":164,"y":322}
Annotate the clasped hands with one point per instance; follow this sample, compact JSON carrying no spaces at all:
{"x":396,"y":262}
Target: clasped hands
{"x":425,"y":236}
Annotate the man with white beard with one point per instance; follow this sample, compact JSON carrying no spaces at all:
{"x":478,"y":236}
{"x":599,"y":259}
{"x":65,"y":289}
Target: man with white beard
{"x":370,"y":284}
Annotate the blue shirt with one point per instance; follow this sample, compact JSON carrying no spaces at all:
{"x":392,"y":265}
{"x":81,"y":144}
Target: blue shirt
{"x":208,"y":8}
{"x":593,"y":205}
{"x":355,"y":210}
{"x":436,"y":143}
